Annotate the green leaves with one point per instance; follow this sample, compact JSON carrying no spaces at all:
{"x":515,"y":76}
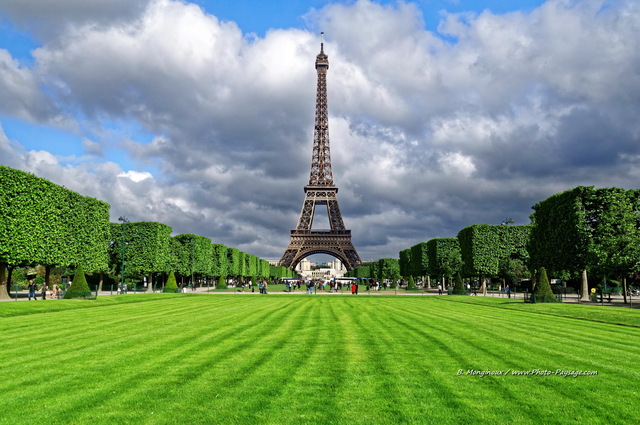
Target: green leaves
{"x":43,"y":223}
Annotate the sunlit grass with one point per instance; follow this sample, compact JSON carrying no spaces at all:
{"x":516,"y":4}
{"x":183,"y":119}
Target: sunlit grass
{"x":309,"y":360}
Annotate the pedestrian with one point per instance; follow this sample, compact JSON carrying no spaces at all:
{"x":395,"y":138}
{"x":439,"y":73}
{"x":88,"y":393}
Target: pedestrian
{"x":353,"y":288}
{"x":44,"y":291}
{"x":32,"y":289}
{"x":439,"y":289}
{"x":508,"y":291}
{"x":265,"y":286}
{"x":55,"y":291}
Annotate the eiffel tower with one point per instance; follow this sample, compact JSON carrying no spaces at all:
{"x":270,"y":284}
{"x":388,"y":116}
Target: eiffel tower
{"x":320,"y":191}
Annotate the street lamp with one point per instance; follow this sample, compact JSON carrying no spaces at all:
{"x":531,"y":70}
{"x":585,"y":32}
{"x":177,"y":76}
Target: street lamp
{"x":124,"y":220}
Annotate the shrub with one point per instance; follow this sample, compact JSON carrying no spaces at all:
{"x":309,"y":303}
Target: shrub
{"x":79,"y":287}
{"x":222,"y":283}
{"x":171,"y":285}
{"x":458,"y":287}
{"x":543,"y":293}
{"x":411,"y":284}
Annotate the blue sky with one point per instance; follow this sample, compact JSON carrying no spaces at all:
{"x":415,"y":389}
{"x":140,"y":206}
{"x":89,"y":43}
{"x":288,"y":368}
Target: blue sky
{"x":254,"y":17}
{"x":443,"y":113}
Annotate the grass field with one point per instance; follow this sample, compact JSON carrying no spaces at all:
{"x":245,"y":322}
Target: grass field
{"x":296,"y":359}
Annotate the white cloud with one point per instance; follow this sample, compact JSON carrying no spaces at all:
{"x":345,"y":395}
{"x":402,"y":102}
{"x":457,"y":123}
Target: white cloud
{"x":428,"y":135}
{"x":136,"y":176}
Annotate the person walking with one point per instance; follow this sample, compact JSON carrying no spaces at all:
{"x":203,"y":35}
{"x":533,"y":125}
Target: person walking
{"x":508,"y":291}
{"x":44,"y":291}
{"x":32,"y":289}
{"x":439,"y":289}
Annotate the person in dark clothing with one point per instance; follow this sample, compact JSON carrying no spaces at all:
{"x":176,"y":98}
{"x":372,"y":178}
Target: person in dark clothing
{"x":32,"y":289}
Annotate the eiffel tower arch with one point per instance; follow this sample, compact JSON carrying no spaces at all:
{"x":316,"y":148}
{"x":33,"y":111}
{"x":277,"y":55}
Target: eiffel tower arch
{"x":321,"y":191}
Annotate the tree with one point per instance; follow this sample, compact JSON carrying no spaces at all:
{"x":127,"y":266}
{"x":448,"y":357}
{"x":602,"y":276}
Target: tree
{"x":458,"y":288}
{"x":197,"y":255}
{"x":405,"y":262}
{"x":222,"y":283}
{"x":420,"y":261}
{"x":388,"y":269}
{"x":490,"y":250}
{"x":444,"y":257}
{"x":79,"y":287}
{"x":234,"y":263}
{"x":147,"y":249}
{"x":586,"y":230}
{"x":411,"y":284}
{"x":220,"y":264}
{"x":43,"y":223}
{"x":171,"y":285}
{"x":543,"y":292}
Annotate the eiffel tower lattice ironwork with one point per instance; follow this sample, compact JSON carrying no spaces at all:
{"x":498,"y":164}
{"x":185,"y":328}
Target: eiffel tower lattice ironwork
{"x":320,"y":191}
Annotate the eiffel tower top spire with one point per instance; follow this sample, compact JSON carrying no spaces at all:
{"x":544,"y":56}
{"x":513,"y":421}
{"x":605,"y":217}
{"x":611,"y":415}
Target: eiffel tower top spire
{"x":321,"y":174}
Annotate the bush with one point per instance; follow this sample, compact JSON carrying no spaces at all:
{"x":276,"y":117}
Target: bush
{"x":79,"y":287}
{"x":222,"y":283}
{"x":458,"y":288}
{"x":411,"y":284}
{"x":171,"y":285}
{"x":543,"y":293}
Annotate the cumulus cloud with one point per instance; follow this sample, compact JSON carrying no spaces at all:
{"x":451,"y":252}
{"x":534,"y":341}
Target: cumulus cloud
{"x":431,"y":130}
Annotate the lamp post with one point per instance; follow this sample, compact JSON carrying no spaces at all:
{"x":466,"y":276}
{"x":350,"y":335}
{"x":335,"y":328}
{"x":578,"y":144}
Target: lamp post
{"x":124,"y":220}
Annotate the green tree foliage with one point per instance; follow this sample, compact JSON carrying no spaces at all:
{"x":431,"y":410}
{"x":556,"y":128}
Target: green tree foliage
{"x":411,"y":284}
{"x":171,"y":285}
{"x":265,"y":268}
{"x":405,"y":262}
{"x":420,"y":260}
{"x":222,"y":283}
{"x":458,"y":288}
{"x":233,"y":261}
{"x":147,"y":248}
{"x":43,"y":223}
{"x":543,"y":292}
{"x":79,"y":287}
{"x":494,"y":250}
{"x":197,"y":255}
{"x":251,"y":266}
{"x":362,"y":271}
{"x":586,"y":230}
{"x":444,"y":256}
{"x":220,"y":264}
{"x":388,"y":269}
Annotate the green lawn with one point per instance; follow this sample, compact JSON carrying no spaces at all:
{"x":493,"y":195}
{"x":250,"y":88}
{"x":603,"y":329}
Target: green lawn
{"x":228,"y":359}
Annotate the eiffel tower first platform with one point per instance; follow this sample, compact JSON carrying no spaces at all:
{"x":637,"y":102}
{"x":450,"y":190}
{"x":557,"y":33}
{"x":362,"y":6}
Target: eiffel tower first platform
{"x":321,"y":191}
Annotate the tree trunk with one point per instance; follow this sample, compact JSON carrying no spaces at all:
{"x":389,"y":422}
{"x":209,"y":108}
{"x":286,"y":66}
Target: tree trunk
{"x":47,"y":275}
{"x":428,"y":281}
{"x":584,"y":296}
{"x":624,"y":289}
{"x":483,"y":282}
{"x":4,"y":282}
{"x":101,"y":281}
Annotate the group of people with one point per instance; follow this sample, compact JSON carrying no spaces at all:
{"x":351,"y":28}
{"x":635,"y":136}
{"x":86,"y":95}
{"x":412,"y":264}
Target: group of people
{"x":33,"y":288}
{"x":262,"y":286}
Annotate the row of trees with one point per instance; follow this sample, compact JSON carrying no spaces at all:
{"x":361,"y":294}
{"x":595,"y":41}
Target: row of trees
{"x":572,"y":234}
{"x":382,"y":269}
{"x":149,"y":250}
{"x":42,"y":223}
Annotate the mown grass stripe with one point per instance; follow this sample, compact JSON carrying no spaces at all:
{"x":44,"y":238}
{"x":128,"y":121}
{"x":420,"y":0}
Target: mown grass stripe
{"x":313,"y":360}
